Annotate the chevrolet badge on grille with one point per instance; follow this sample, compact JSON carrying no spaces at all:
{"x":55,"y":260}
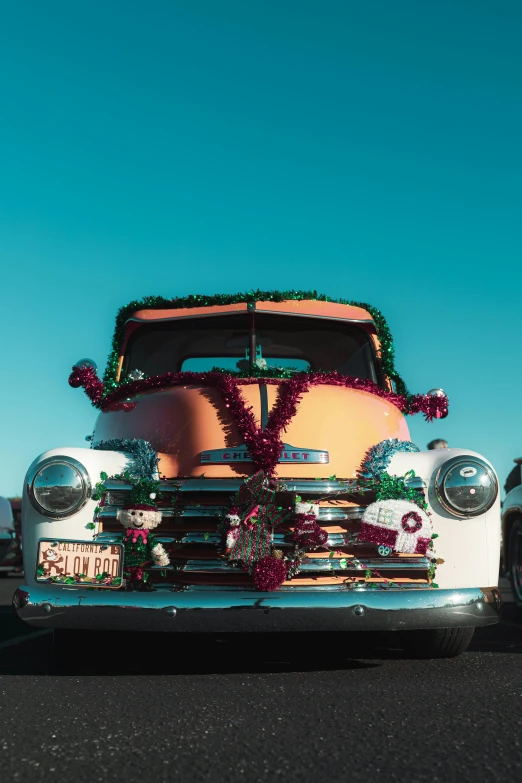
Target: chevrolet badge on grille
{"x":240,"y":454}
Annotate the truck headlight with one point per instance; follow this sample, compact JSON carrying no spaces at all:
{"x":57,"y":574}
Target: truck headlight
{"x":466,"y":486}
{"x":58,"y":487}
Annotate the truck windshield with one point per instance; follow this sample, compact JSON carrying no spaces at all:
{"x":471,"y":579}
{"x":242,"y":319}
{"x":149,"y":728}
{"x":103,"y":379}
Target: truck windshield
{"x":294,"y":343}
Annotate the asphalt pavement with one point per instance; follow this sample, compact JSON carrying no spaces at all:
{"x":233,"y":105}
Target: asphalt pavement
{"x":322,"y":707}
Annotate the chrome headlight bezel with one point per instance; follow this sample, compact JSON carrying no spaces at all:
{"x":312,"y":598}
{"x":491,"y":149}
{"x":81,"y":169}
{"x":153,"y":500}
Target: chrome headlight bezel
{"x":466,"y":462}
{"x":64,"y":462}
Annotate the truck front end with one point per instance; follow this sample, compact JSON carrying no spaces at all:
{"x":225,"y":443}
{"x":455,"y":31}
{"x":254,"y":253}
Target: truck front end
{"x":251,"y":469}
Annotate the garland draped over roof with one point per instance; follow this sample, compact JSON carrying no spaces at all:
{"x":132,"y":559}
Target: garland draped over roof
{"x":111,"y":394}
{"x":387,"y":353}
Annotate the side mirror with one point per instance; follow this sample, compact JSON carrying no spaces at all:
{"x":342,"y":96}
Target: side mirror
{"x":438,"y":393}
{"x":86,"y":363}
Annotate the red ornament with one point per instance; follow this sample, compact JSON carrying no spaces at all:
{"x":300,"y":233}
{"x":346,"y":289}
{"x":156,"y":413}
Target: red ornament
{"x":417,"y":522}
{"x":269,"y":573}
{"x":74,"y":380}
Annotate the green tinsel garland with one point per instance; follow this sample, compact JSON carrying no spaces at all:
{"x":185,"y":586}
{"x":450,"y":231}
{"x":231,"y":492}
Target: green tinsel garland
{"x":138,"y":553}
{"x":389,"y":487}
{"x":197,"y":300}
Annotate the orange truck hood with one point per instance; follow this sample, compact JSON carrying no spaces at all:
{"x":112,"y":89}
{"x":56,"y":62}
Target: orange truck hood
{"x":184,"y":423}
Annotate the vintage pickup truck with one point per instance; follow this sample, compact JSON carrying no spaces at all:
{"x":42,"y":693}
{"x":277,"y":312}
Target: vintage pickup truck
{"x":10,"y":548}
{"x":251,"y":469}
{"x":512,"y":531}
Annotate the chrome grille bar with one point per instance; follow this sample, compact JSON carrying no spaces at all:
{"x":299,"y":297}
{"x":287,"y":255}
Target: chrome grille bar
{"x":302,"y":486}
{"x":279,"y":539}
{"x":308,"y":565}
{"x":326,"y":513}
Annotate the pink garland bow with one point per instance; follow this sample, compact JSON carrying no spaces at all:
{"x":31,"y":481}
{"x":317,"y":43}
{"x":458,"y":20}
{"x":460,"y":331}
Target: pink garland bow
{"x":135,"y":533}
{"x":252,"y":513}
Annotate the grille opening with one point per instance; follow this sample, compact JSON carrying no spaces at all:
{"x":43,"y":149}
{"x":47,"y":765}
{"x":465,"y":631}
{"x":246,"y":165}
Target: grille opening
{"x":189,"y":532}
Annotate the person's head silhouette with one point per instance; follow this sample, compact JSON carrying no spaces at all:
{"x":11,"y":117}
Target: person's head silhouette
{"x":437,"y":444}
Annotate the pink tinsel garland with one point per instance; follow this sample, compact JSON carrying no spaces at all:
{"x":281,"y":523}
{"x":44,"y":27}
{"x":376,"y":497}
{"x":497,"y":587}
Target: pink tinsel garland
{"x":264,"y":446}
{"x":430,"y":405}
{"x":87,"y":377}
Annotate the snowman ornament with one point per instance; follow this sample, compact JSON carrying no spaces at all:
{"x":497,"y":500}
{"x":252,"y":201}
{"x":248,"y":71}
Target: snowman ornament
{"x":141,"y":549}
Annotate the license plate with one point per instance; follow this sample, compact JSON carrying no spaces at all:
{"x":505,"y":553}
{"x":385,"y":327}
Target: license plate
{"x":79,"y":563}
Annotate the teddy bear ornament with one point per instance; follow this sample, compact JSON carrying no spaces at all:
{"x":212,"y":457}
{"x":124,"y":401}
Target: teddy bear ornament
{"x":141,"y":549}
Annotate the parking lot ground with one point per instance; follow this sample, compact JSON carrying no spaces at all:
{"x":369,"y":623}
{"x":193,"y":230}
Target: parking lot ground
{"x":252,"y":708}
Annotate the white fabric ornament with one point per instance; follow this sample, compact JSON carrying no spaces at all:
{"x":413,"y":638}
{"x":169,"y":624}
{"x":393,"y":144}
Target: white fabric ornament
{"x":147,"y":519}
{"x":159,"y":556}
{"x":397,"y":523}
{"x":232,"y":537}
{"x":307,"y":508}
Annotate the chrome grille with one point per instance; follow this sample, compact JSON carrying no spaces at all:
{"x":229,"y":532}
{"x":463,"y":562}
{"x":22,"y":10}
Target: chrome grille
{"x":191,"y":511}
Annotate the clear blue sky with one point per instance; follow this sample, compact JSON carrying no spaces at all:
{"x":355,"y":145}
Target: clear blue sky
{"x":370,"y":150}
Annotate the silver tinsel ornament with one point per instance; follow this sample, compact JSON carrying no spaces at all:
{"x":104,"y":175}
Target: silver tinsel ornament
{"x":136,"y":375}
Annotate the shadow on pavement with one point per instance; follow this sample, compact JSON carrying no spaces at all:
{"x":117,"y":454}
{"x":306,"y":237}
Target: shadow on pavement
{"x":25,"y":650}
{"x":506,"y":637}
{"x":120,"y":654}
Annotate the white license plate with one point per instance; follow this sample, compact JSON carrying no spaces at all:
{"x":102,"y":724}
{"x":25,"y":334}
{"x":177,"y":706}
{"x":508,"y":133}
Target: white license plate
{"x":79,"y":563}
